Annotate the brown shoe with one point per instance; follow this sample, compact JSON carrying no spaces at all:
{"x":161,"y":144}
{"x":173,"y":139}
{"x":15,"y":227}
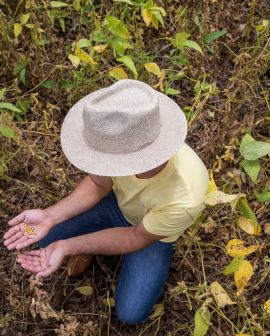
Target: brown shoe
{"x":78,"y":264}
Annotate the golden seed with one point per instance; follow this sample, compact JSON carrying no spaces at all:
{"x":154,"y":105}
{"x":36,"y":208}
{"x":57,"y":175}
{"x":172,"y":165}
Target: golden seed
{"x":28,"y":229}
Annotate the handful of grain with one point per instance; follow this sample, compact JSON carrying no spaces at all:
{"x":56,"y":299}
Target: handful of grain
{"x":28,"y":229}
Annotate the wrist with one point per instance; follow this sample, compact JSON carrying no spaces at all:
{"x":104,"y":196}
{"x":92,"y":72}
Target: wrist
{"x":64,"y":246}
{"x":52,"y":219}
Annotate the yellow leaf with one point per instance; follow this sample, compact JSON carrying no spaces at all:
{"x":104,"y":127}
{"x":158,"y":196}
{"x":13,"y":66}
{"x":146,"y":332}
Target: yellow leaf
{"x":242,"y":334}
{"x":84,"y":57}
{"x":219,"y":197}
{"x":147,"y":16}
{"x":220,"y":295}
{"x":248,"y":226}
{"x":211,"y":184}
{"x":266,"y":306}
{"x":153,"y":68}
{"x":100,"y":48}
{"x":158,"y":310}
{"x":85,"y":290}
{"x":242,"y":276}
{"x":236,"y":248}
{"x":74,"y":60}
{"x":118,"y":73}
{"x":17,"y":29}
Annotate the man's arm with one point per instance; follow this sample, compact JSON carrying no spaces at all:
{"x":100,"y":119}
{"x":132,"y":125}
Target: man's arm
{"x":120,"y":240}
{"x":87,"y":194}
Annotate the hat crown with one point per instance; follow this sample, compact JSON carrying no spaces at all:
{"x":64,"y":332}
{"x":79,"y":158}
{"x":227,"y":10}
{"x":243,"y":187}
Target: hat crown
{"x":122,"y":118}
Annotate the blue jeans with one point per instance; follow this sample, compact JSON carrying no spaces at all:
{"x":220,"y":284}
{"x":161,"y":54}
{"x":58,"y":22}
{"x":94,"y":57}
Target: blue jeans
{"x":143,"y":273}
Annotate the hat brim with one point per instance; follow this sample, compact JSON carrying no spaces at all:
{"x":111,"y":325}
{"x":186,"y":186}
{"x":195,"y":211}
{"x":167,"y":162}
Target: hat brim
{"x":172,"y":136}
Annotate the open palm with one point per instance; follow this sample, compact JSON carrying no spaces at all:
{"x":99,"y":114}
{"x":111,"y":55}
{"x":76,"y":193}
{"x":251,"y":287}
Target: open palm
{"x":43,"y":262}
{"x":16,"y":237}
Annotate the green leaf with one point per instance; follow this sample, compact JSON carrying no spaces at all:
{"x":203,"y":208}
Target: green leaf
{"x":264,"y":196}
{"x":213,"y":36}
{"x":247,"y":138}
{"x":85,"y":290}
{"x":2,"y":93}
{"x":58,"y":4}
{"x":202,"y":321}
{"x":180,"y":38}
{"x":83,"y":43}
{"x":233,"y":265}
{"x":10,"y":107}
{"x":120,"y":45}
{"x":246,"y":210}
{"x":128,"y":62}
{"x":7,"y":132}
{"x":24,"y":18}
{"x":117,"y":27}
{"x":252,"y":168}
{"x":255,"y":150}
{"x":129,"y":2}
{"x":49,"y":84}
{"x":192,"y":44}
{"x":172,"y":92}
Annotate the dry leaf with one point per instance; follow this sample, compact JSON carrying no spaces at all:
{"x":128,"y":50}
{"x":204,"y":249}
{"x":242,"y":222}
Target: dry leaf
{"x":85,"y":290}
{"x":236,"y":248}
{"x":209,"y":226}
{"x":219,"y":197}
{"x":158,"y":311}
{"x":220,"y":295}
{"x":266,"y":306}
{"x":248,"y":226}
{"x":100,"y":48}
{"x":242,"y":276}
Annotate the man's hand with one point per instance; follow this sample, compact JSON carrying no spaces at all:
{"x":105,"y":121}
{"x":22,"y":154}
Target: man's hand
{"x":17,"y":237}
{"x":45,"y":261}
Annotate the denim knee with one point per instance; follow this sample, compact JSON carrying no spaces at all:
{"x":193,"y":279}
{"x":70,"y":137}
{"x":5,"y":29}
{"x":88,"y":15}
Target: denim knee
{"x":131,"y":315}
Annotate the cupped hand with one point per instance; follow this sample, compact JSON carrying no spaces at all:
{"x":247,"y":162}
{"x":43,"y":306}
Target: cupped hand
{"x":17,"y":237}
{"x":45,"y":261}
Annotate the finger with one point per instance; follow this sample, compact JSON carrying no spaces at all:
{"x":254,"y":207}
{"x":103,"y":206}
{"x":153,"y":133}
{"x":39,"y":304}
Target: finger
{"x":33,"y":253}
{"x":17,"y":241}
{"x":12,"y":242}
{"x":22,"y":257}
{"x":47,"y":272}
{"x":17,"y":220}
{"x":29,"y":262}
{"x":11,"y":232}
{"x":26,"y":243}
{"x":32,"y":268}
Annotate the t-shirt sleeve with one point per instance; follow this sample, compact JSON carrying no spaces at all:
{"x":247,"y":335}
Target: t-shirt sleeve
{"x":172,"y":220}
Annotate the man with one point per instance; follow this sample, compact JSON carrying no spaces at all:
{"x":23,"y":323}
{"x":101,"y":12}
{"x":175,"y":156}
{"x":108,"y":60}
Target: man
{"x":145,"y":187}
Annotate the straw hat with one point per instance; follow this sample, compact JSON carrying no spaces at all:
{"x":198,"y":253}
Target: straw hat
{"x":125,"y":129}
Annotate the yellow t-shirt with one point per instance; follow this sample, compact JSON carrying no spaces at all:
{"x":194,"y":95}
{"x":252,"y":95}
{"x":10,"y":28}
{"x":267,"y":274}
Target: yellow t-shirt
{"x":169,"y":202}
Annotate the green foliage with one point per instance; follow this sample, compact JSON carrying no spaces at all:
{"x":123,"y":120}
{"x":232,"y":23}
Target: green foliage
{"x":150,"y":12}
{"x":233,"y":265}
{"x":263,"y":196}
{"x":181,"y":42}
{"x":127,"y":61}
{"x":213,"y":36}
{"x":115,"y":34}
{"x":251,"y":151}
{"x":202,"y":321}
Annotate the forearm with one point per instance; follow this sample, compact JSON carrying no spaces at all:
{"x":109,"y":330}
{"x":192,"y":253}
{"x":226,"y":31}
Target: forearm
{"x":84,"y":196}
{"x":108,"y":242}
